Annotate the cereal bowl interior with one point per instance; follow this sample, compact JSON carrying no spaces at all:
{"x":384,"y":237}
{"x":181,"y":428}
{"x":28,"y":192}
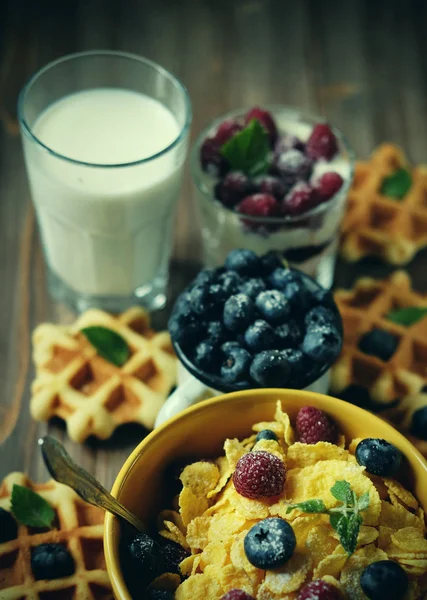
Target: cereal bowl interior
{"x":200,"y":431}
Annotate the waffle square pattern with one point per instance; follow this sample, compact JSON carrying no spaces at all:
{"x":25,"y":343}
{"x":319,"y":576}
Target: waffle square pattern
{"x":376,"y":225}
{"x":92,"y":395}
{"x":365,"y":308}
{"x":79,"y":529}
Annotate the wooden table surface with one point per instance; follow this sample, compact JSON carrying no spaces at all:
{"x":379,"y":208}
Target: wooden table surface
{"x":363,"y":64}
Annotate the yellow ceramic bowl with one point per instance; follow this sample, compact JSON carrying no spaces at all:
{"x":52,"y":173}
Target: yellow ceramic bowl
{"x":200,"y":432}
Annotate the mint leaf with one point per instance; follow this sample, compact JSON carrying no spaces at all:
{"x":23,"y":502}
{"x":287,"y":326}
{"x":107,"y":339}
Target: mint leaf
{"x":109,"y":344}
{"x":309,"y":506}
{"x":397,"y":185}
{"x":335,"y":519}
{"x":341,"y":490}
{"x":248,"y":150}
{"x":31,"y":509}
{"x":348,"y":532}
{"x":363,"y":502}
{"x":407,"y":316}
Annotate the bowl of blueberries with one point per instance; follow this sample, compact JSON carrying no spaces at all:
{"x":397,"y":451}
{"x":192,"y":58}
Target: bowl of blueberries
{"x":253,"y":323}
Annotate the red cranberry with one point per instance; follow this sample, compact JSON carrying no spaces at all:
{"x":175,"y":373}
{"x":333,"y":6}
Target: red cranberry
{"x":299,"y":200}
{"x":327,"y":186}
{"x":268,"y":184}
{"x":211,"y":159}
{"x":322,"y":142}
{"x":232,"y":188}
{"x":266,"y":120}
{"x":227,"y":130}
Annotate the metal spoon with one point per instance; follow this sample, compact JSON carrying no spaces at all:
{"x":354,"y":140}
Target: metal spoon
{"x":64,"y":469}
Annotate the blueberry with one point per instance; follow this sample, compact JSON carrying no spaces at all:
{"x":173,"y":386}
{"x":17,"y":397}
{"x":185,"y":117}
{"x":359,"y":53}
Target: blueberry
{"x":260,"y":336}
{"x":289,"y":334}
{"x":319,"y":316}
{"x":8,"y":526}
{"x":51,"y":561}
{"x":281,"y":276}
{"x":145,"y":556}
{"x":183,"y":304}
{"x":235,"y":366}
{"x":270,"y":369}
{"x":298,"y":295}
{"x":205,"y":299}
{"x":268,"y":184}
{"x":384,"y":580}
{"x":299,"y":366}
{"x":216,"y":334}
{"x":233,"y":188}
{"x":239,"y":311}
{"x":418,"y":424}
{"x":270,"y":262}
{"x":205,"y":277}
{"x":379,"y":343}
{"x":293,"y":166}
{"x":322,"y":344}
{"x":378,"y":456}
{"x":230,"y":282}
{"x":266,"y":434}
{"x":226,"y":347}
{"x":252,"y":287}
{"x":172,"y":553}
{"x":207,"y":357}
{"x":185,"y":330}
{"x":270,"y":543}
{"x":244,"y":262}
{"x":356,"y":394}
{"x":273,"y":306}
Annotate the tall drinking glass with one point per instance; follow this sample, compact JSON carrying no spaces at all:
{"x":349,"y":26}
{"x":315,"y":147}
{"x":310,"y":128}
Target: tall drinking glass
{"x":105,"y":138}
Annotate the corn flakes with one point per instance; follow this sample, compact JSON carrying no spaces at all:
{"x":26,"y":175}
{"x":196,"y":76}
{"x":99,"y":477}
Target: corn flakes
{"x":212,"y":520}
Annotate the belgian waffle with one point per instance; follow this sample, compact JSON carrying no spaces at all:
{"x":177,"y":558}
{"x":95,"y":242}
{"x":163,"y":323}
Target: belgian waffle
{"x":79,"y":529}
{"x":376,"y":225}
{"x":91,"y":394}
{"x":365,"y":307}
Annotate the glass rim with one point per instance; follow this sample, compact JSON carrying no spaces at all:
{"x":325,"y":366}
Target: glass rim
{"x":197,"y":173}
{"x":28,"y":131}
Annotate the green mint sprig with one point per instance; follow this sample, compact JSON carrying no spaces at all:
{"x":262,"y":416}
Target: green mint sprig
{"x":397,"y":185}
{"x":108,"y":343}
{"x":249,"y":150}
{"x":30,"y":509}
{"x":345,"y":518}
{"x":407,"y":316}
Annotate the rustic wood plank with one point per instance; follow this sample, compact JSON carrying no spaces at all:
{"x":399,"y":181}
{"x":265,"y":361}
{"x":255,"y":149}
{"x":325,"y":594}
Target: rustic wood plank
{"x":362,"y":64}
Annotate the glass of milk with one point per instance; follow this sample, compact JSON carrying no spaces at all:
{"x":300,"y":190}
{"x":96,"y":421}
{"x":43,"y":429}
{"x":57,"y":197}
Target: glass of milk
{"x":105,"y":138}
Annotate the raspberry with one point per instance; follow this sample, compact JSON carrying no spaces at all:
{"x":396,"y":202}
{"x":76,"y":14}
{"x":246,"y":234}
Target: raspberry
{"x":259,"y":205}
{"x":227,"y":130}
{"x":319,"y":590}
{"x":299,"y":199}
{"x":327,"y":186}
{"x":313,"y":426}
{"x":322,"y":143}
{"x":259,"y":475}
{"x":266,"y":120}
{"x":237,"y":595}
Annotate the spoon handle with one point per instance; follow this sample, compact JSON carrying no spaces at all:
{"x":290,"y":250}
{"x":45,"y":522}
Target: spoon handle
{"x":64,"y":469}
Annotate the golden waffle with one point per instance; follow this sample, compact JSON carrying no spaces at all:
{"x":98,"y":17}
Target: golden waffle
{"x":365,"y":307}
{"x":91,"y":394}
{"x":376,"y":225}
{"x":80,"y":530}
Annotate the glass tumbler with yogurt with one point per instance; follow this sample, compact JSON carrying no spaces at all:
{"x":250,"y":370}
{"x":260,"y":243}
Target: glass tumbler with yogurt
{"x":105,"y":138}
{"x":309,"y":240}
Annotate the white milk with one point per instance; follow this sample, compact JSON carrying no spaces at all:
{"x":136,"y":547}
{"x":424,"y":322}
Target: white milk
{"x":106,"y":230}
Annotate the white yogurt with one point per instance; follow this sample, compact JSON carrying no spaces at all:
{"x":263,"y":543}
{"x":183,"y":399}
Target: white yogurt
{"x":105,"y":230}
